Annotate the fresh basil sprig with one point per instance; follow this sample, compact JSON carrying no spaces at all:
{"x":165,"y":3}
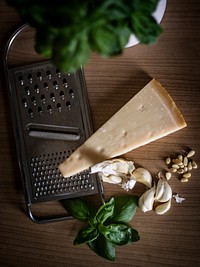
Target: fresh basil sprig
{"x":68,"y":31}
{"x":108,"y":226}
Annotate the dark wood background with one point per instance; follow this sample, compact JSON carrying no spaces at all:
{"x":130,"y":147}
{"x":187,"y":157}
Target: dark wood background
{"x":169,"y":240}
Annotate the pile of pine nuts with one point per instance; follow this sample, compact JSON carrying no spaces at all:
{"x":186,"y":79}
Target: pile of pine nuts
{"x":183,"y":164}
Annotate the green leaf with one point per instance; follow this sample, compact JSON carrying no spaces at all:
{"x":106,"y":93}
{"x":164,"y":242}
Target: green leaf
{"x":120,"y":234}
{"x":102,"y":247}
{"x":85,"y":235}
{"x":78,"y":208}
{"x":105,"y":211}
{"x":71,"y":51}
{"x":145,"y":28}
{"x":124,"y":209}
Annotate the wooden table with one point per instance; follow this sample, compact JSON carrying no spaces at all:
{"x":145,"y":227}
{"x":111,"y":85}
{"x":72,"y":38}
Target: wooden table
{"x":172,"y":239}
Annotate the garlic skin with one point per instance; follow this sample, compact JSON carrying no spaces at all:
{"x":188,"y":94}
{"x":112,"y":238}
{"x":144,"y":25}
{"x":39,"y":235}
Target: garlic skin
{"x":163,"y":191}
{"x":111,"y":179}
{"x":116,"y":167}
{"x":116,"y":171}
{"x":163,"y":208}
{"x":143,"y":176}
{"x":178,"y":198}
{"x":146,"y":201}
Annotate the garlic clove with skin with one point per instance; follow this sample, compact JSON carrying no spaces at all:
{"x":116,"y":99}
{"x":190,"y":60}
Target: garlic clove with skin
{"x":111,"y":179}
{"x":163,"y":191}
{"x":163,"y":208}
{"x":143,"y":176}
{"x":146,"y":201}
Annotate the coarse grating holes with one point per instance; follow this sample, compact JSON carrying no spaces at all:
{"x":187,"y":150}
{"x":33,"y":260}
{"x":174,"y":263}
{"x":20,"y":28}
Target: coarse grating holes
{"x":62,"y":95}
{"x":30,"y":78}
{"x":40,"y":111}
{"x":65,"y":84}
{"x":43,"y":99}
{"x":30,"y":112}
{"x":39,"y":84}
{"x":24,"y":102}
{"x":55,"y":85}
{"x":49,"y":109}
{"x":52,"y":96}
{"x":71,"y":93}
{"x":49,"y":75}
{"x":33,"y":100}
{"x":68,"y":105}
{"x":27,"y":90}
{"x":58,"y":73}
{"x":59,"y":107}
{"x":21,"y":81}
{"x":46,"y":87}
{"x":47,"y":180}
{"x":36,"y":88}
{"x":39,"y":76}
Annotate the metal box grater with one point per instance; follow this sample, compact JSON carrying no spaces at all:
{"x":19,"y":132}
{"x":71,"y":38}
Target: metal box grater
{"x":51,"y":119}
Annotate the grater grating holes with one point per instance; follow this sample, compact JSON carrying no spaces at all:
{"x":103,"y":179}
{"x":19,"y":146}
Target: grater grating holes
{"x":43,"y":87}
{"x":47,"y":180}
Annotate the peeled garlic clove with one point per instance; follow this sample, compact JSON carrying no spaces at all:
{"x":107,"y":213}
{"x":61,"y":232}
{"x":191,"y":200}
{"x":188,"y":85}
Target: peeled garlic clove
{"x":115,"y":179}
{"x":111,"y":179}
{"x":146,"y":201}
{"x":143,"y":176}
{"x":163,"y":191}
{"x":163,"y":208}
{"x":159,"y":189}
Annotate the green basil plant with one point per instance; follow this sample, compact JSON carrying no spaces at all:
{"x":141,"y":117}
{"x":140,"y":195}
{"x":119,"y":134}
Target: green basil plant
{"x":67,"y":32}
{"x":107,"y":227}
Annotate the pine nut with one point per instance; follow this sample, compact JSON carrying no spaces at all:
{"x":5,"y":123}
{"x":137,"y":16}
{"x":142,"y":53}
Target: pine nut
{"x":184,"y":180}
{"x":180,"y":171}
{"x":168,"y":175}
{"x":187,"y":175}
{"x":175,"y":166}
{"x":180,"y":157}
{"x":181,"y":165}
{"x":190,"y":166}
{"x":191,"y":153}
{"x":185,"y":161}
{"x":173,"y":170}
{"x":177,"y":161}
{"x":194,"y":165}
{"x":168,"y":161}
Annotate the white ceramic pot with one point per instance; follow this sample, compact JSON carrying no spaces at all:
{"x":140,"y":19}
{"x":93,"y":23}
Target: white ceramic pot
{"x":158,"y":15}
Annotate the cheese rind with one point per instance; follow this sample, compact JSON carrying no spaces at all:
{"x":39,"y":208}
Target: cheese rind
{"x":151,"y":114}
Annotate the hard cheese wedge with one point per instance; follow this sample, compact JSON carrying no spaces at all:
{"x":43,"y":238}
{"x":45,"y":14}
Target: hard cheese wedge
{"x":149,"y":115}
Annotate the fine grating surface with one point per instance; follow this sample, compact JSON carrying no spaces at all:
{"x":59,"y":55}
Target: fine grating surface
{"x":47,"y":180}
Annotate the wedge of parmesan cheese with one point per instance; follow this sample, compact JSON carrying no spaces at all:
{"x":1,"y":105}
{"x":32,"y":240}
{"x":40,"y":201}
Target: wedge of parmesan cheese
{"x":151,"y":114}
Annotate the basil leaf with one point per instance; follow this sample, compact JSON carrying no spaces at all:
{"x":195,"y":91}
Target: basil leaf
{"x":120,"y":234}
{"x":105,"y":211}
{"x":145,"y":28}
{"x":102,"y":247}
{"x":85,"y":235}
{"x":78,"y":208}
{"x":125,"y":209}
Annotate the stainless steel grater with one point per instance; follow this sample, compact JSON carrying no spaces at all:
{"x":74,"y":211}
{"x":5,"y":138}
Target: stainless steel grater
{"x":51,"y":119}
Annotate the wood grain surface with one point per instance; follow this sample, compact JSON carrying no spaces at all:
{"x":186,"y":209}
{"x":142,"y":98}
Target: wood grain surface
{"x":172,"y":239}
